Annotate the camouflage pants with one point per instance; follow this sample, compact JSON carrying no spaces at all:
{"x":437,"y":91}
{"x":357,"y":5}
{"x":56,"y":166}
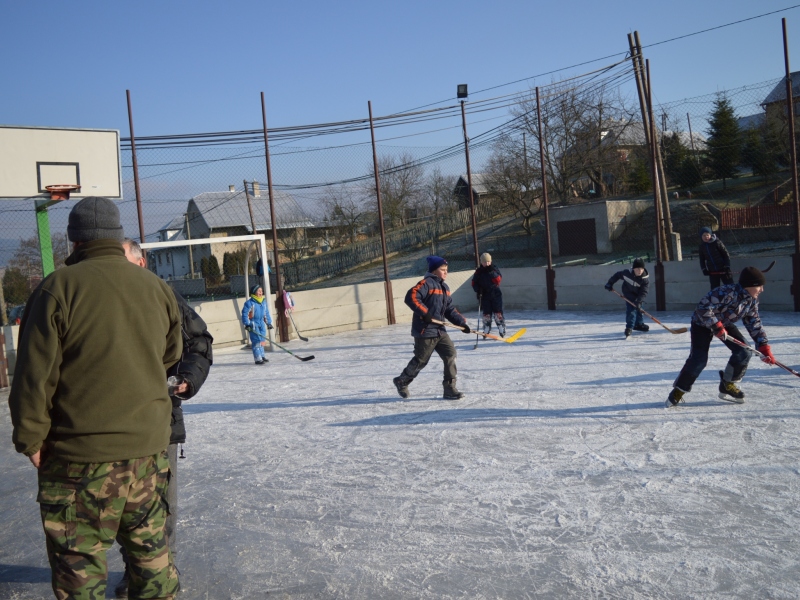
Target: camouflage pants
{"x":85,"y":506}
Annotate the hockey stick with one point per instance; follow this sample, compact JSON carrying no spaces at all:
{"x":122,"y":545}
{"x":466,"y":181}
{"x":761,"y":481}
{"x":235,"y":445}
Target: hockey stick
{"x":678,"y":330}
{"x":477,"y":337}
{"x":303,"y":358}
{"x":509,"y":340}
{"x":305,"y":339}
{"x":772,"y":264}
{"x":758,"y":354}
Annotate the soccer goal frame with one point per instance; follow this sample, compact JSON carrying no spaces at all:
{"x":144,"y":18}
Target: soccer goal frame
{"x":258,"y":239}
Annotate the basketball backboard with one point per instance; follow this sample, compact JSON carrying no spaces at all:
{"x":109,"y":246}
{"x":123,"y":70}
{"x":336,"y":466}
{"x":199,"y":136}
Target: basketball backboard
{"x":31,"y":158}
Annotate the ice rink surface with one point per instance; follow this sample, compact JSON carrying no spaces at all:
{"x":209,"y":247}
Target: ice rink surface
{"x":559,"y":475}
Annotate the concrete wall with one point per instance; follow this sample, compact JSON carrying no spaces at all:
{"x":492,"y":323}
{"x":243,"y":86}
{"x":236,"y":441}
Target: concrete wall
{"x":363,"y":306}
{"x":611,"y":219}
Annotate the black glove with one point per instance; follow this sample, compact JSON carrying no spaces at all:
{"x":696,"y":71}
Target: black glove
{"x":269,"y":326}
{"x":248,"y":328}
{"x":427,"y":317}
{"x":705,"y":272}
{"x":609,"y":287}
{"x":639,"y":305}
{"x":466,"y":329}
{"x":726,"y":271}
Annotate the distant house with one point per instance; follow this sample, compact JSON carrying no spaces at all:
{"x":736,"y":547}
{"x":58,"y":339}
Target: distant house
{"x":226,"y":214}
{"x":775,"y":103}
{"x":480,"y":189}
{"x":755,"y":121}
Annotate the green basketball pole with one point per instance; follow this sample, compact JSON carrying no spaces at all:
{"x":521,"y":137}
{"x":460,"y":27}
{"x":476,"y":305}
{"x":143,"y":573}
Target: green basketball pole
{"x":45,"y":241}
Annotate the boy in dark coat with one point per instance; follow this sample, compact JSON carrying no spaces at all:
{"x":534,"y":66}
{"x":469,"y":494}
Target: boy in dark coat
{"x":430,"y":300}
{"x":635,"y":285}
{"x":486,"y":283}
{"x":715,"y":315}
{"x":714,"y":259}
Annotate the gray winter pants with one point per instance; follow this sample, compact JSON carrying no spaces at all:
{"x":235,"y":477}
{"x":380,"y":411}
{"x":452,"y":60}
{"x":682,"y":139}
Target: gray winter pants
{"x":423,"y":350}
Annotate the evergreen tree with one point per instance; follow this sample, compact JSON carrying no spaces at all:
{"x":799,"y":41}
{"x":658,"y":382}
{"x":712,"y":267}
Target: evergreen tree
{"x":761,"y":152}
{"x":689,"y":174}
{"x":15,"y":287}
{"x":724,"y":141}
{"x":674,"y":154}
{"x":213,"y":269}
{"x":639,"y":177}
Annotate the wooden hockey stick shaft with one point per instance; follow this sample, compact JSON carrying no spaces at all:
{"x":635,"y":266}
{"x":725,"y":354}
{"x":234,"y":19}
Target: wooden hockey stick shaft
{"x":510,"y":340}
{"x":760,"y":355}
{"x":678,"y":330}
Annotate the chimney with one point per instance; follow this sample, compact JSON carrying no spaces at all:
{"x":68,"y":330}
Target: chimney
{"x":256,"y":190}
{"x":231,"y":188}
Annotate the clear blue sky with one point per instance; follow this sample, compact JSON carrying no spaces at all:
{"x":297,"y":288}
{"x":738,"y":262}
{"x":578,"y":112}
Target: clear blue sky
{"x":200,"y":66}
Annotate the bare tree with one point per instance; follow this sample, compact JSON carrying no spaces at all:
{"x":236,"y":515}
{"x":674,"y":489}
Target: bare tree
{"x":511,"y":179}
{"x":346,"y":213}
{"x":437,"y":199}
{"x":401,"y":187}
{"x":588,"y":132}
{"x":28,"y":259}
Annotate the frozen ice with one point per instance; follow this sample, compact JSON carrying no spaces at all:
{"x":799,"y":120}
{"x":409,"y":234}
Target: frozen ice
{"x":559,"y":475}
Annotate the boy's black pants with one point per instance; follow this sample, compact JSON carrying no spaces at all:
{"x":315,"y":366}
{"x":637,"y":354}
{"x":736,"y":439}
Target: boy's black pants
{"x":698,"y":357}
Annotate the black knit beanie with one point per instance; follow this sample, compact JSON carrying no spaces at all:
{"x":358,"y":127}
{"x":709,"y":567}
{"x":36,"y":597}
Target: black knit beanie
{"x":94,"y":218}
{"x":751,"y":277}
{"x":638,"y":263}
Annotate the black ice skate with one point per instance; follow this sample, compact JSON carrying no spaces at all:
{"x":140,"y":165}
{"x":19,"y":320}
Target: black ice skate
{"x":627,"y":333}
{"x":642,"y":327}
{"x":450,"y":391}
{"x":729,"y":392}
{"x":675,"y":397}
{"x":401,"y":383}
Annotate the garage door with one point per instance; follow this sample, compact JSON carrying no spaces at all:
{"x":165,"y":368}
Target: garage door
{"x":577,"y":237}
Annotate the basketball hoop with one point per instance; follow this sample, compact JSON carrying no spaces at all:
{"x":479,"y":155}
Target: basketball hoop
{"x":61,"y":192}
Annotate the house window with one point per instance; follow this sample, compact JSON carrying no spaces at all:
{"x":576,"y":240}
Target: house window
{"x":159,"y":259}
{"x":168,"y":257}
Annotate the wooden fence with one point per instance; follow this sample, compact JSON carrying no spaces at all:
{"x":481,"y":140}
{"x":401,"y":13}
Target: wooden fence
{"x":756,"y":216}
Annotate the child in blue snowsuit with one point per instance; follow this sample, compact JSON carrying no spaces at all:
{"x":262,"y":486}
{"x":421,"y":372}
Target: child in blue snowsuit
{"x":256,"y":319}
{"x":635,"y":285}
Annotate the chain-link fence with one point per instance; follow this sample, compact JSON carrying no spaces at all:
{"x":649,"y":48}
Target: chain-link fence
{"x":724,"y":159}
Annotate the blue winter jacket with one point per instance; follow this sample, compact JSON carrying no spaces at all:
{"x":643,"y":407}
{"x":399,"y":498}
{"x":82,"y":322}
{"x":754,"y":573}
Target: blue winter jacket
{"x":431,"y":295}
{"x":727,"y":304}
{"x":634,"y":287}
{"x":260,"y":312}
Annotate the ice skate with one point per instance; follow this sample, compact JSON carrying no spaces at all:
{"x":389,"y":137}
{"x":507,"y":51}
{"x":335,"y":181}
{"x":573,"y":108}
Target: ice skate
{"x":729,"y":391}
{"x":627,"y":333}
{"x":450,"y":391}
{"x":401,"y":383}
{"x":675,"y":397}
{"x":641,"y":327}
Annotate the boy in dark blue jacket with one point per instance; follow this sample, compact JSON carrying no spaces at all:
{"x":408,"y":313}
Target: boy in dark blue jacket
{"x":430,"y":300}
{"x":714,"y":259}
{"x":486,"y":283}
{"x":635,"y":285}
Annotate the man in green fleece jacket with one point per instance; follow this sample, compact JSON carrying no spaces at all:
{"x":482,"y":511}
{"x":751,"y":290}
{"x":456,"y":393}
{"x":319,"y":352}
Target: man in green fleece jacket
{"x":90,"y":409}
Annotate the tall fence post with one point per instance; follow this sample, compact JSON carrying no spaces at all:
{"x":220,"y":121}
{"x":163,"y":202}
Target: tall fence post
{"x":135,"y":169}
{"x":795,"y":288}
{"x":550,"y":273}
{"x":661,"y":303}
{"x":469,"y":185}
{"x":387,"y":283}
{"x":283,"y":329}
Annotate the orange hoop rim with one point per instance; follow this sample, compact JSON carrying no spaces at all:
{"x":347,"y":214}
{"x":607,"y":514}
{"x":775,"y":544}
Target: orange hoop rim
{"x":62,"y":191}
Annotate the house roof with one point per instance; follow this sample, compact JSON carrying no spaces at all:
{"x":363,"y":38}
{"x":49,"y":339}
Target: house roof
{"x":480,"y":182}
{"x":752,"y":121}
{"x":229,"y":209}
{"x":778,"y":93}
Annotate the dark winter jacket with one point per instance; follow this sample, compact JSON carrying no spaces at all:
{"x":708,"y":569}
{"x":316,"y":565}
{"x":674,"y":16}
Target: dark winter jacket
{"x":486,"y":280}
{"x":432,"y":296}
{"x":727,"y":304}
{"x":714,"y":256}
{"x":90,"y":377}
{"x":194,"y":365}
{"x":633,"y":288}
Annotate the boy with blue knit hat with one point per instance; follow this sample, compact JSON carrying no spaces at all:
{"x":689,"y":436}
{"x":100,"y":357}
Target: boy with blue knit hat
{"x":715,"y":261}
{"x":430,"y":300}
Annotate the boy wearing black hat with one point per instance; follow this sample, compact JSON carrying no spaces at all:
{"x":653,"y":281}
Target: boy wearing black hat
{"x":430,"y":300}
{"x":715,"y":316}
{"x":635,"y":285}
{"x":714,"y":259}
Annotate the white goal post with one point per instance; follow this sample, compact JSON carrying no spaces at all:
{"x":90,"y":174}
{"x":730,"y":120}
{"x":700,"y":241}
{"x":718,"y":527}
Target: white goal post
{"x":177,"y":262}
